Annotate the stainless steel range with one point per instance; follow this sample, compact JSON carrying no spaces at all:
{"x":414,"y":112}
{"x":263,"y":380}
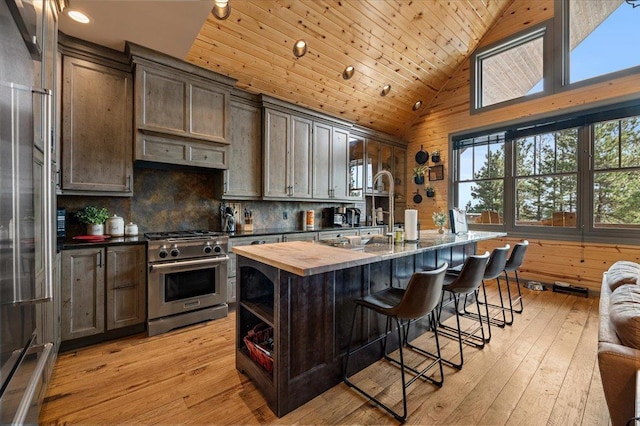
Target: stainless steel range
{"x":187,"y":278}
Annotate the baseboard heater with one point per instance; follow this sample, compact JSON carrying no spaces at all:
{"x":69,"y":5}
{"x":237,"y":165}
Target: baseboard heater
{"x":570,"y":289}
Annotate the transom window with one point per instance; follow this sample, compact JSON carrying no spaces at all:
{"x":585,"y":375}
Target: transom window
{"x":587,"y":42}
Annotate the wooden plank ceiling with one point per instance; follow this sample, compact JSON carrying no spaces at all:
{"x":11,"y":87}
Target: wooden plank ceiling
{"x":415,"y":46}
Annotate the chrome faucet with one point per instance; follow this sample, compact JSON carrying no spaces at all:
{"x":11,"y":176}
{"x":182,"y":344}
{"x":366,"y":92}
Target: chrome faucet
{"x":391,"y":190}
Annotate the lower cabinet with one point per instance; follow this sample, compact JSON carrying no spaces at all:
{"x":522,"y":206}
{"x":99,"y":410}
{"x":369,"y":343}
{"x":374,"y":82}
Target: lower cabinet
{"x":231,"y":269}
{"x":103,"y":288}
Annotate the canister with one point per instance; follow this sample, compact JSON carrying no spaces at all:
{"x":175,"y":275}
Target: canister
{"x":131,"y":229}
{"x":115,"y":226}
{"x":311,"y":220}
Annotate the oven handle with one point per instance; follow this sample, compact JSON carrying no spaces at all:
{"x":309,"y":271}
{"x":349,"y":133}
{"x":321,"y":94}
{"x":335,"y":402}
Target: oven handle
{"x":187,"y":263}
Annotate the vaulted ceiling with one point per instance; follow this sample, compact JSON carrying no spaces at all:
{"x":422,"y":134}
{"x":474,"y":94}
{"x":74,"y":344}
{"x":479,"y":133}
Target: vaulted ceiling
{"x":415,"y":46}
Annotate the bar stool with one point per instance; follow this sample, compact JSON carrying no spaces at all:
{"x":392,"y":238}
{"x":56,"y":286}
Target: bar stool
{"x":513,"y":264}
{"x":418,"y":300}
{"x":467,"y":281}
{"x":495,"y":268}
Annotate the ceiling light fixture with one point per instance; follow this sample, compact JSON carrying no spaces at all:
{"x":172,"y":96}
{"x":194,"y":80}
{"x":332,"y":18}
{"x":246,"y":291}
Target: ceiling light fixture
{"x":417,"y":105}
{"x":300,"y":48}
{"x":78,"y":16}
{"x":221,"y":9}
{"x":385,"y":90}
{"x":348,"y":72}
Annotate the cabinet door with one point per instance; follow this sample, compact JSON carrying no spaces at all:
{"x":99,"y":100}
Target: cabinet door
{"x":163,"y":101}
{"x":322,"y":135}
{"x":208,"y":112}
{"x":356,"y":168}
{"x":96,"y":128}
{"x":276,"y":158}
{"x":126,"y":286}
{"x":82,"y":293}
{"x":340,"y":164}
{"x":244,"y":176}
{"x":372,"y":164}
{"x":301,"y":158}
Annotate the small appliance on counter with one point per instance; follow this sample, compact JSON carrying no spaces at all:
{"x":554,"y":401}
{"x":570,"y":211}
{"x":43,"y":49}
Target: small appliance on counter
{"x":335,"y":216}
{"x":353,"y":216}
{"x":61,"y":222}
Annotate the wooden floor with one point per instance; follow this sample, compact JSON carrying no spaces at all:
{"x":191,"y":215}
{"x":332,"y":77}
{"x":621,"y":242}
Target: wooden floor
{"x":540,"y":371}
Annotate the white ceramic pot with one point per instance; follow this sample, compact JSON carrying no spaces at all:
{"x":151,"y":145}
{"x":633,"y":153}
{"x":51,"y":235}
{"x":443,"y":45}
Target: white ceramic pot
{"x":131,"y":229}
{"x":95,"y":229}
{"x":115,"y":226}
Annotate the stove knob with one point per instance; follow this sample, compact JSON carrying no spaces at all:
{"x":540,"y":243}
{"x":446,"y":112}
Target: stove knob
{"x":207,"y":249}
{"x":217,"y":249}
{"x":174,"y":251}
{"x":163,"y":252}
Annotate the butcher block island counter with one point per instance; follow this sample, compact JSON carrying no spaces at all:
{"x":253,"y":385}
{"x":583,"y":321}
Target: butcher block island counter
{"x":295,"y":305}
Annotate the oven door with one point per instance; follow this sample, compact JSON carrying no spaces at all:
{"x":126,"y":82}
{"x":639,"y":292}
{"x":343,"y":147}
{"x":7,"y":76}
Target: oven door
{"x":185,"y":286}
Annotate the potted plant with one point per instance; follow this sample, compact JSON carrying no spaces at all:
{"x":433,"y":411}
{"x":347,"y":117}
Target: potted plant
{"x":435,"y":156}
{"x":440,"y":219}
{"x":418,"y":174}
{"x":94,"y":218}
{"x":430,"y":191}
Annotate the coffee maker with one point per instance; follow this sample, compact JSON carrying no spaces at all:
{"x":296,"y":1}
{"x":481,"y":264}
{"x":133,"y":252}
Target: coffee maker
{"x":353,"y":216}
{"x":335,"y":216}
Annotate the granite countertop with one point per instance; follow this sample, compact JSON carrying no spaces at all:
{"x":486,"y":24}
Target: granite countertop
{"x":310,"y":258}
{"x":70,"y":243}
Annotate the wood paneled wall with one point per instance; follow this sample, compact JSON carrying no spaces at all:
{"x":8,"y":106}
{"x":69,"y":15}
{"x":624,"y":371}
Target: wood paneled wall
{"x":547,"y":261}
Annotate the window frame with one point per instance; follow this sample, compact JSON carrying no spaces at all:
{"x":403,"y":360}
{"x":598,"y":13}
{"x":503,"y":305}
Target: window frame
{"x":585,"y":229}
{"x":545,"y":31}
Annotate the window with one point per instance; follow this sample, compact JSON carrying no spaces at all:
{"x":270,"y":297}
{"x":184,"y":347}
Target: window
{"x":480,"y":188}
{"x":616,"y":181}
{"x":565,"y":176}
{"x":511,"y":69}
{"x":596,"y":40}
{"x":546,"y":179}
{"x":602,"y":38}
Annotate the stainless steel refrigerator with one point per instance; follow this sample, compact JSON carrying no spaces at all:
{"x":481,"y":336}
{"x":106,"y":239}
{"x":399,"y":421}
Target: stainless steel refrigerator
{"x":26,"y":293}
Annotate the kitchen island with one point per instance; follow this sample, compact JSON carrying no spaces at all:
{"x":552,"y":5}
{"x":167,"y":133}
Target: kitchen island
{"x":303,"y":293}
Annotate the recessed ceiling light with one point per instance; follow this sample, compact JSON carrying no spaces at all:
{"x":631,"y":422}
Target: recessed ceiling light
{"x":221,"y":9}
{"x":78,"y":16}
{"x":385,"y":90}
{"x":300,"y":48}
{"x":348,"y":72}
{"x":417,"y":105}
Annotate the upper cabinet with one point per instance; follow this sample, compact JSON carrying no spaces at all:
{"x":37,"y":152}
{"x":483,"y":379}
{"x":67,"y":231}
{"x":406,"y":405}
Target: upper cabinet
{"x":330,"y":162}
{"x":243,"y":179}
{"x":287,"y":156}
{"x":182,"y":112}
{"x":97,"y":106}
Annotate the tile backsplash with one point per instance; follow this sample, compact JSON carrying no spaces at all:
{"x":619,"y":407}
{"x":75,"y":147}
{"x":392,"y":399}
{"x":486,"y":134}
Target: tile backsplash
{"x":182,"y":199}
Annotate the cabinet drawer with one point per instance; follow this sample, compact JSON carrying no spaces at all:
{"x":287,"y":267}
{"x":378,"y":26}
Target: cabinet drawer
{"x":372,"y":231}
{"x":205,"y":156}
{"x":327,"y":235}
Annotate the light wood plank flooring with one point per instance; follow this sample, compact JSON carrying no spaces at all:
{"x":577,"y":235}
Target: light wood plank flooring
{"x":542,"y":370}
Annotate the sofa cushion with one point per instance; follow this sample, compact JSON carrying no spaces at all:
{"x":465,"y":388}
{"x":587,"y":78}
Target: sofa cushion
{"x":624,"y":314}
{"x":622,"y":272}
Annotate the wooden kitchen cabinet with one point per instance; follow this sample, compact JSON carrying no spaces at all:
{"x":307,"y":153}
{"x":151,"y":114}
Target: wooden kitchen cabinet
{"x":82,"y":292}
{"x":126,"y":289}
{"x":103,"y":289}
{"x":330,"y":162}
{"x":243,"y":179}
{"x":97,"y":117}
{"x":182,"y":113}
{"x":288,"y":158}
